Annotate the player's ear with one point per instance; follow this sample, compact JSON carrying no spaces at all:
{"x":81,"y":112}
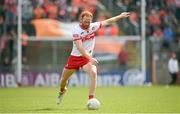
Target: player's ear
{"x":80,"y":19}
{"x":91,"y":19}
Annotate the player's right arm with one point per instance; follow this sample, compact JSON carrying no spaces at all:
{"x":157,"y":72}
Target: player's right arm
{"x":84,"y":53}
{"x":80,"y":48}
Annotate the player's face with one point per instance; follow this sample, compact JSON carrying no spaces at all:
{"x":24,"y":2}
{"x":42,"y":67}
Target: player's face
{"x":86,"y":20}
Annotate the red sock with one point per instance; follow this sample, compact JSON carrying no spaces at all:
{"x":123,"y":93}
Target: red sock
{"x":91,"y":96}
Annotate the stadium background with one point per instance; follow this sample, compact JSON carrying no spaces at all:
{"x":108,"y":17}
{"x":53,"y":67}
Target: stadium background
{"x":46,"y":44}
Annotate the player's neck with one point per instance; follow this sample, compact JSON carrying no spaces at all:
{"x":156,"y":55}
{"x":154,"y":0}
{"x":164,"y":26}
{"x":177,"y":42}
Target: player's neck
{"x":84,"y":27}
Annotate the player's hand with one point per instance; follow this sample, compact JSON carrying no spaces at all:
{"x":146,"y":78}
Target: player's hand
{"x":94,"y":61}
{"x":125,"y":14}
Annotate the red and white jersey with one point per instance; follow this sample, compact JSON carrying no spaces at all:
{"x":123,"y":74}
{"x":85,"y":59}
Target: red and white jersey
{"x":86,"y":36}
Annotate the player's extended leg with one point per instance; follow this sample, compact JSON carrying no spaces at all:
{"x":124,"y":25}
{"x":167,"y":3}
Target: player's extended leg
{"x":91,"y":70}
{"x":64,"y":78}
{"x":63,"y":81}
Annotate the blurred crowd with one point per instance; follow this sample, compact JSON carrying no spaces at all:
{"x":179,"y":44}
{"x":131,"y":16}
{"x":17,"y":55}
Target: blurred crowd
{"x":162,"y":15}
{"x":162,"y":19}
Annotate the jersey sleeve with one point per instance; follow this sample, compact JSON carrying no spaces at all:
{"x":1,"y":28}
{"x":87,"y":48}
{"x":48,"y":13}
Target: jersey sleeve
{"x":96,"y":26}
{"x":76,"y":35}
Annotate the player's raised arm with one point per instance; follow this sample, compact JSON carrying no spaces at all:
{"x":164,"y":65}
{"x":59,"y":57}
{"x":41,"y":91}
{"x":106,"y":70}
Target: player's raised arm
{"x":115,"y":18}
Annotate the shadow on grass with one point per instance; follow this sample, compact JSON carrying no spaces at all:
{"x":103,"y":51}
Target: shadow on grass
{"x":40,"y":109}
{"x":43,"y":109}
{"x":72,"y":109}
{"x":57,"y":110}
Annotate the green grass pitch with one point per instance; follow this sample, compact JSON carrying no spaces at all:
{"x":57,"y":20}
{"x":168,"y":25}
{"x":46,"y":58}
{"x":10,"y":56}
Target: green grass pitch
{"x":155,"y":99}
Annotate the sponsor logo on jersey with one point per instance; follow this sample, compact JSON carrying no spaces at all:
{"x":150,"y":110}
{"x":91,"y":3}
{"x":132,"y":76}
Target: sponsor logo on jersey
{"x":88,"y":37}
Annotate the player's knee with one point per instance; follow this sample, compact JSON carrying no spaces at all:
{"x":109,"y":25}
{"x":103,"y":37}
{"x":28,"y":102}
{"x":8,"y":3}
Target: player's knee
{"x":93,"y":74}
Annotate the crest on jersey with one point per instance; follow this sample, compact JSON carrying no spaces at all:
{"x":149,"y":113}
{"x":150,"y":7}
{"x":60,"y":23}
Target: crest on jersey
{"x":93,"y":28}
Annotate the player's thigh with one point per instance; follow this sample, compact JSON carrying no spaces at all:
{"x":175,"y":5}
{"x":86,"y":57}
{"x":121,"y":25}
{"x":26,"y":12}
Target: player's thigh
{"x":67,"y":73}
{"x":89,"y":68}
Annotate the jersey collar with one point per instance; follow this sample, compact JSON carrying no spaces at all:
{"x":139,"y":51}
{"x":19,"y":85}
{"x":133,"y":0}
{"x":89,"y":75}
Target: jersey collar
{"x":84,"y":27}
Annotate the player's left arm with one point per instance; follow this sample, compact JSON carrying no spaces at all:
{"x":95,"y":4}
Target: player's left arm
{"x":115,"y":18}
